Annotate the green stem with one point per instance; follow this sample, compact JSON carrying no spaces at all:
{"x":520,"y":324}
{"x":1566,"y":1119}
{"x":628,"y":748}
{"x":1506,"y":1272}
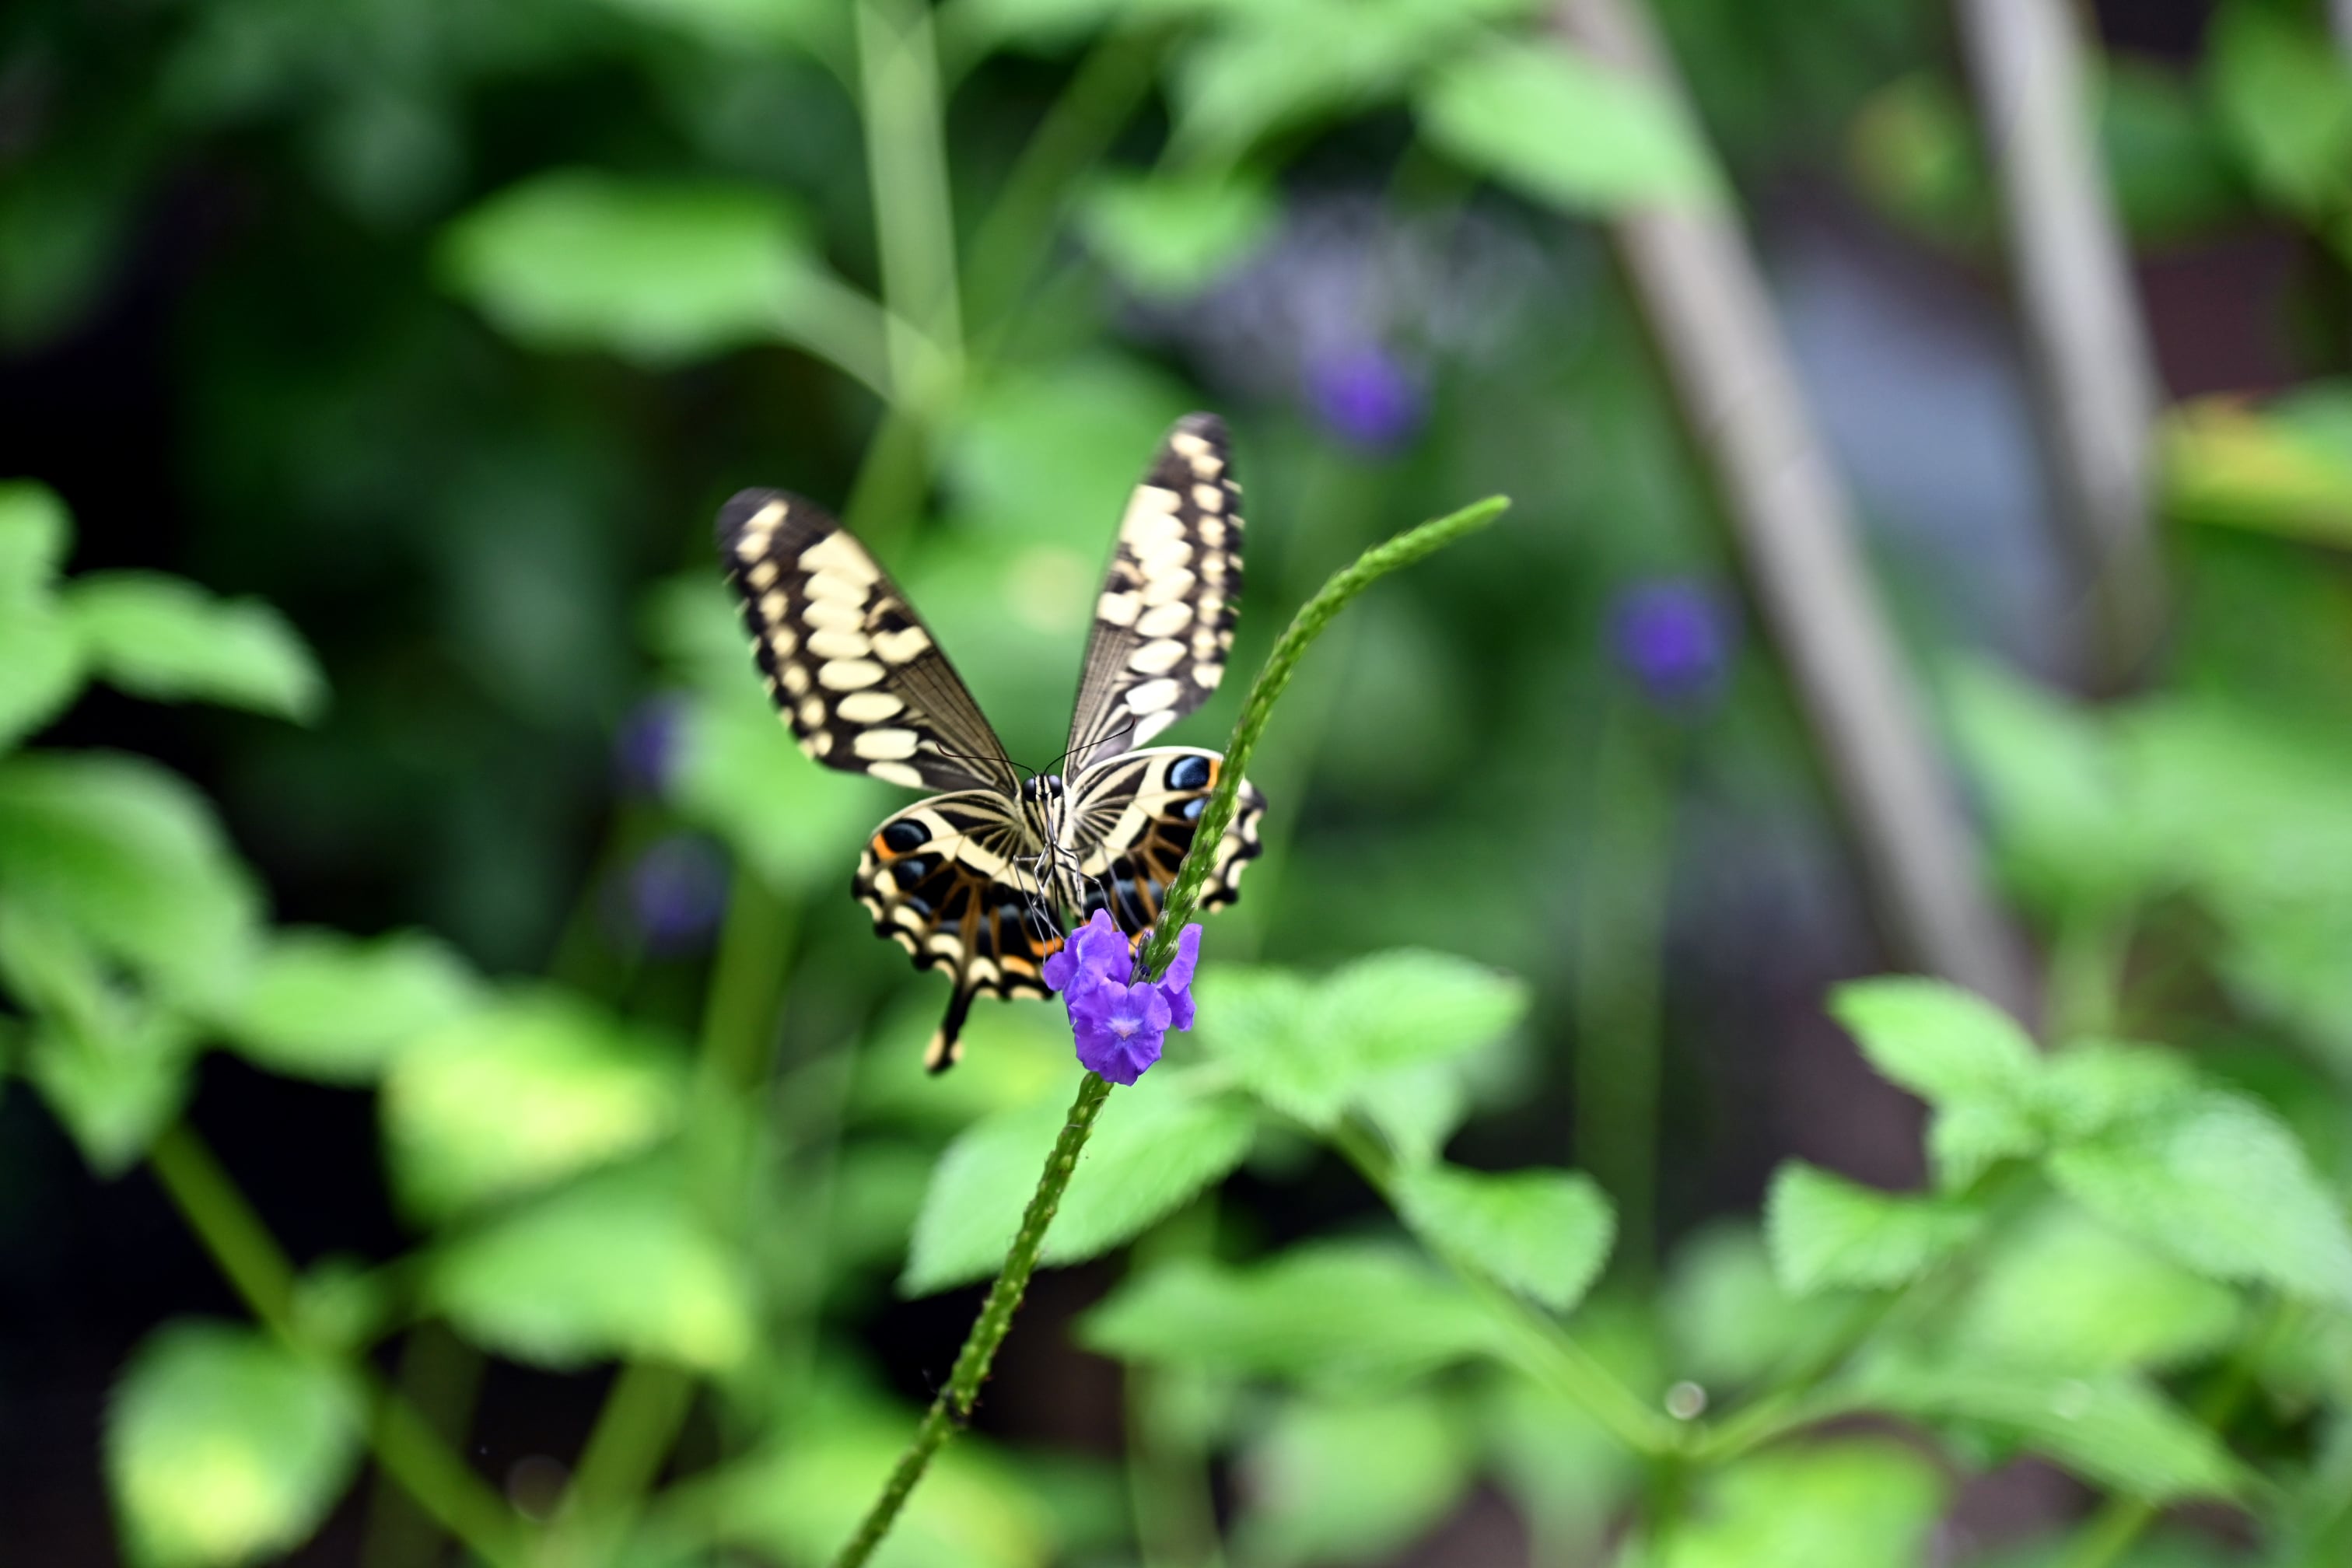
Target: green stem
{"x":403,"y":1442}
{"x":1102,"y":94}
{"x":1540,"y":1345}
{"x":914,"y":219}
{"x":441,"y":1375}
{"x":1619,"y":941}
{"x":954,"y":1404}
{"x":639,"y":1424}
{"x":1184,"y":898}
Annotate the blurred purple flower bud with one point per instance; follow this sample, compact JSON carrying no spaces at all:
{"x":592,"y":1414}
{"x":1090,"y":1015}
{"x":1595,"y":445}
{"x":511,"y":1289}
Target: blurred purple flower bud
{"x":1675,"y":637}
{"x":1365,"y":396}
{"x":676,"y":893}
{"x":646,"y":746}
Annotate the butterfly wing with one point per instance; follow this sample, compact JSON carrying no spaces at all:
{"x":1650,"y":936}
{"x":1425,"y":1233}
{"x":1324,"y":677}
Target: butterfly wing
{"x":1132,"y":819}
{"x":953,"y":880}
{"x":849,"y":665}
{"x":1164,"y":621}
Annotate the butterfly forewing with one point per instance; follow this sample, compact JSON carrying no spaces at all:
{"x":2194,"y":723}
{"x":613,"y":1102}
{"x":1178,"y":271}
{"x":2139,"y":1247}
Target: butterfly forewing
{"x":849,"y":664}
{"x":1163,"y":623}
{"x":1132,"y":819}
{"x":953,"y":880}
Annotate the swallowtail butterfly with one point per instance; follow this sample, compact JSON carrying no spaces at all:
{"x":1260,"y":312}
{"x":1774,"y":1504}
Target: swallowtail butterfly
{"x":978,"y":879}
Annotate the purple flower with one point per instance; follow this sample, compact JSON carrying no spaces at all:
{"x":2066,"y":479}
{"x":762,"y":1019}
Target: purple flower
{"x":1120,"y":1027}
{"x":1365,"y":396}
{"x":644,"y":748}
{"x":676,"y":892}
{"x":1675,"y":637}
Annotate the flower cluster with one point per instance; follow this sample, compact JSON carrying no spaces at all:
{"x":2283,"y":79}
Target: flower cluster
{"x":1120,"y":1027}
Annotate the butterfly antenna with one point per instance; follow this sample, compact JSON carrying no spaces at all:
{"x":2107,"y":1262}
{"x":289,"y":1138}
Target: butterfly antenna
{"x":1124,"y":730}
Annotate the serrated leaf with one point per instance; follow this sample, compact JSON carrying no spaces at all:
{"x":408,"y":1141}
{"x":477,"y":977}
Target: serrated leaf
{"x":1827,"y":1233}
{"x":519,"y":1095}
{"x":2061,"y":1291}
{"x":1310,"y":1048}
{"x":2113,"y":1429}
{"x":129,"y":857}
{"x":160,"y":636}
{"x":1351,"y":1481}
{"x":1416,"y":1107}
{"x":222,"y":1445}
{"x":1968,"y":1137}
{"x":1410,"y":1006}
{"x":657,"y":272}
{"x":622,"y":1266}
{"x":327,"y":1006}
{"x":1564,"y":131}
{"x":1171,"y":235}
{"x":1333,"y":1314}
{"x":1853,"y":1503}
{"x":2219,"y":1184}
{"x":1941,"y":1043}
{"x":2093,"y":1085}
{"x":1544,"y":1234}
{"x":1728,"y":1317}
{"x":1154,"y":1147}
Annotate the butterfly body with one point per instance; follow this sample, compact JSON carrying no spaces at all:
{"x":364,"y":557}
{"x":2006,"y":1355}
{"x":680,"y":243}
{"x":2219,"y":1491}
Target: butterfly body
{"x":981,"y":878}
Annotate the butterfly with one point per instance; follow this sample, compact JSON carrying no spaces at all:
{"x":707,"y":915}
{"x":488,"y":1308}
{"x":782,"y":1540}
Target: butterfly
{"x":978,"y":879}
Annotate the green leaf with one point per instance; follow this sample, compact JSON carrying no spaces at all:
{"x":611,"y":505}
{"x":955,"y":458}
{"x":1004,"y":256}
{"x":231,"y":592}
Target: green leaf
{"x":1941,"y":1043}
{"x":1853,"y":1503}
{"x":2093,"y":1085}
{"x":1352,"y":1481}
{"x":1970,"y":1137}
{"x":42,"y":665}
{"x":2057,"y":792}
{"x":113,"y":1092}
{"x":659,"y":273}
{"x":1329,"y":1314}
{"x":1565,"y":131}
{"x":1171,"y":235}
{"x":1154,"y":1148}
{"x":2113,"y":1430}
{"x":2064,"y":1292}
{"x":815,"y":26}
{"x":1310,"y":1049}
{"x":1730,"y":1320}
{"x":1272,"y":67}
{"x":1407,"y":1006}
{"x":1827,"y":1233}
{"x":1416,"y":1107}
{"x":520,"y":1094}
{"x":619,"y":1267}
{"x":164,"y":638}
{"x":129,"y":857}
{"x":326,"y":1007}
{"x":739,"y":774}
{"x":222,"y":1445}
{"x":2284,"y":95}
{"x":974,"y":1509}
{"x":34,"y":534}
{"x":2219,"y":1184}
{"x":1544,"y":1234}
{"x":2280,"y":468}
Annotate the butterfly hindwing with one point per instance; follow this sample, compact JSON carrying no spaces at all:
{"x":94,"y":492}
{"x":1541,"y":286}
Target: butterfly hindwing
{"x":1163,"y":623}
{"x":1133,"y":818}
{"x":850,"y":666}
{"x":953,"y":881}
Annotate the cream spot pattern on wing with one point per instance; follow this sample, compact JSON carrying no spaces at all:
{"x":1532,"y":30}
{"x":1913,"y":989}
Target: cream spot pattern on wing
{"x":848,"y":674}
{"x":870,"y":707}
{"x":884,"y":745}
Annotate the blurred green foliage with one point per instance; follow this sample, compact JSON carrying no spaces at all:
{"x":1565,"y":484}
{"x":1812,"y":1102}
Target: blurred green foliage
{"x":506,"y":297}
